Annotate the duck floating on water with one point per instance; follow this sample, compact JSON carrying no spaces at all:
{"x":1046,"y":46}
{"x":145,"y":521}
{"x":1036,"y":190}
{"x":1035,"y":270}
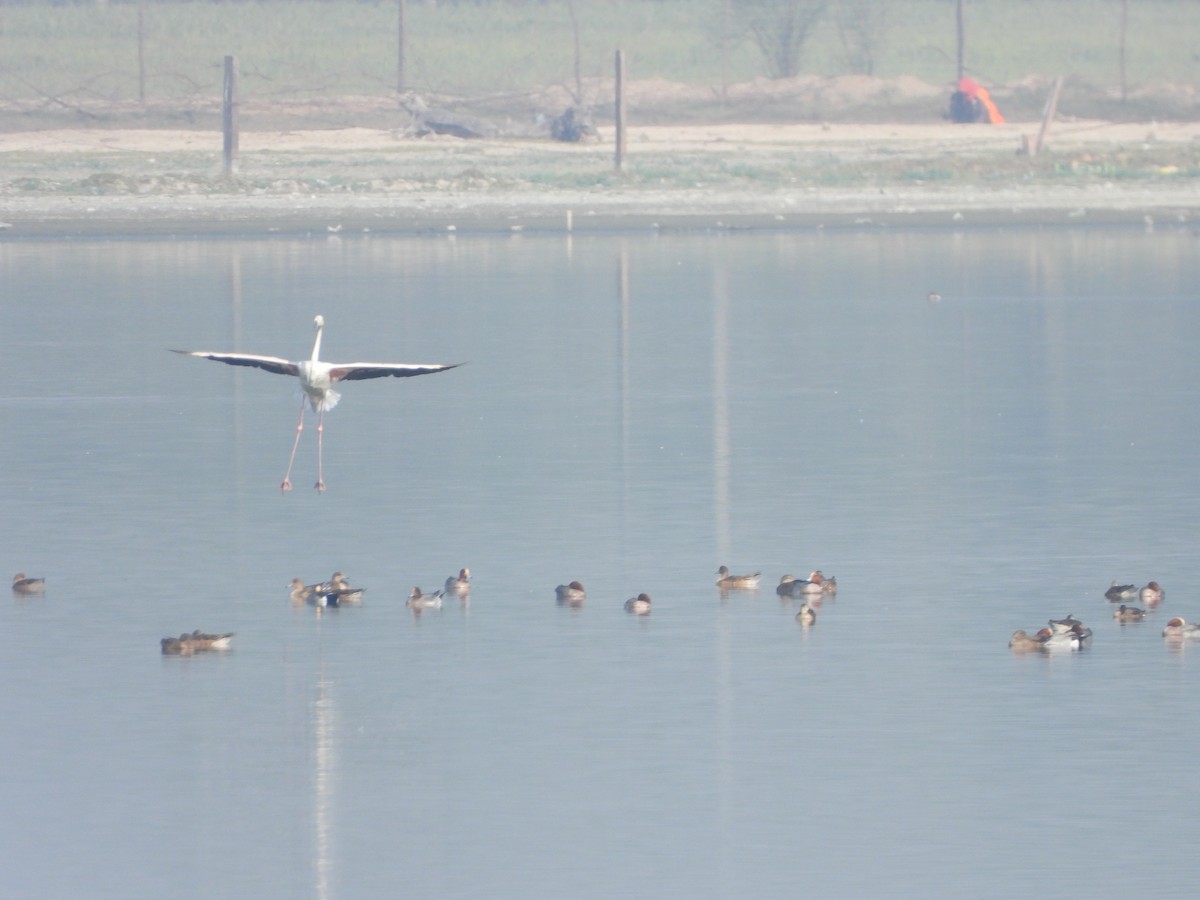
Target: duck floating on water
{"x":791,"y":586}
{"x":807,"y":615}
{"x":1125,"y":613}
{"x":24,"y":585}
{"x":1061,"y":626}
{"x":828,"y":584}
{"x":1152,"y":594}
{"x":1178,"y":628}
{"x":1067,"y":633}
{"x":1075,"y":637}
{"x":728,"y":582}
{"x":639,"y":605}
{"x":1064,"y":640}
{"x":419,"y":601}
{"x":341,"y":591}
{"x":300,"y":592}
{"x":571,"y":594}
{"x":460,"y":585}
{"x":196,"y":642}
{"x":334,"y":592}
{"x":1119,"y":592}
{"x":1020,"y":642}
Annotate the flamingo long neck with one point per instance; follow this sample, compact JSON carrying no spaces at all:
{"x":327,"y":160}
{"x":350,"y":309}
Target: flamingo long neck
{"x":317,"y":343}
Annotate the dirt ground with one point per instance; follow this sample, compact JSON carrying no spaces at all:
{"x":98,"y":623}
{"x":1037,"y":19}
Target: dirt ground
{"x":924,"y":138}
{"x":812,"y":174}
{"x":928,"y":138}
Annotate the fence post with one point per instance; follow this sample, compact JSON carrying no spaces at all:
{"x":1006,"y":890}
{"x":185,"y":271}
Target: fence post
{"x":619,"y":87}
{"x":229,"y":124}
{"x":401,"y":47}
{"x":141,"y":42}
{"x":1124,"y":29}
{"x":960,"y":31}
{"x":1048,"y":115}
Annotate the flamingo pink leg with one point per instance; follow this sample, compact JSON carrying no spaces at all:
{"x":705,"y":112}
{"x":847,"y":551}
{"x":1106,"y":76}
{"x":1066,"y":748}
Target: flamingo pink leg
{"x":287,"y":483}
{"x":320,"y":434}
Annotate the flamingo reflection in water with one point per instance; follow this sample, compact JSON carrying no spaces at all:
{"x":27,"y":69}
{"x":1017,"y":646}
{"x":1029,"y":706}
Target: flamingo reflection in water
{"x":317,"y":378}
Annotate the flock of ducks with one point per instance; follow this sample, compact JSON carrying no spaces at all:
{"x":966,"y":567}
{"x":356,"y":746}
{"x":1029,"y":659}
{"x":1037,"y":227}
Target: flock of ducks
{"x":574,"y":594}
{"x":815,"y":586}
{"x":1059,"y":634}
{"x":1062,"y":634}
{"x":334,"y":592}
{"x":1072,"y":634}
{"x":456,"y":586}
{"x":338,"y":591}
{"x":810,"y":590}
{"x":184,"y":645}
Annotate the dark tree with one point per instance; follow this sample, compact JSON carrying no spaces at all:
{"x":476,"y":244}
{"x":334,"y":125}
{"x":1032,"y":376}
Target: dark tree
{"x":862,"y":25}
{"x":779,"y":29}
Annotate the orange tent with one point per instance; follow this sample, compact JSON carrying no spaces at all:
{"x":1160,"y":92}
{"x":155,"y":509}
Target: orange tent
{"x":978,"y":92}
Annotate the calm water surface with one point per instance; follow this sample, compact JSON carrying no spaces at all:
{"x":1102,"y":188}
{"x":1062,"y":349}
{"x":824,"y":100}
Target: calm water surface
{"x":635,"y":411}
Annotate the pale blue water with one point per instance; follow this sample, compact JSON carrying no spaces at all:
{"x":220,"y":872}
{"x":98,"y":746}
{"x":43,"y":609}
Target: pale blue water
{"x":635,"y":411}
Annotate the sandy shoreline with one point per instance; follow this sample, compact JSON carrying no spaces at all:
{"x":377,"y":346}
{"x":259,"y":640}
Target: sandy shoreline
{"x":83,"y":217}
{"x":167,"y":182}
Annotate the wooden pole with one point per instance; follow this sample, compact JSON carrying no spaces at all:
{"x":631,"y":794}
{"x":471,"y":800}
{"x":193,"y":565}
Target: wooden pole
{"x":726,"y":18}
{"x":1124,"y":25}
{"x":962,"y":39}
{"x":141,"y":42}
{"x":1048,"y":115}
{"x":578,"y":65}
{"x":401,"y":51}
{"x":619,"y":88}
{"x":229,"y":124}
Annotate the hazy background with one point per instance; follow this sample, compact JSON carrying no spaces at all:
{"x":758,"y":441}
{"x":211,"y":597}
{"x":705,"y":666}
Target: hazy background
{"x":323,"y":64}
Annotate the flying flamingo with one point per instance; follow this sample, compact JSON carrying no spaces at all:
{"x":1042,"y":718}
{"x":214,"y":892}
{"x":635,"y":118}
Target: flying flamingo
{"x":317,"y":378}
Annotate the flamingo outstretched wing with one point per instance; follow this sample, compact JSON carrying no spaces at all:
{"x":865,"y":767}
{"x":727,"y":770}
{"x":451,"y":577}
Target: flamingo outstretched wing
{"x":269,"y":363}
{"x":316,"y":378}
{"x":360,"y":370}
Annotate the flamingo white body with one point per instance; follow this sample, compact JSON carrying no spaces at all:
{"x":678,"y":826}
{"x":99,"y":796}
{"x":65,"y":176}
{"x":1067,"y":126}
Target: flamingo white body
{"x":317,"y":379}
